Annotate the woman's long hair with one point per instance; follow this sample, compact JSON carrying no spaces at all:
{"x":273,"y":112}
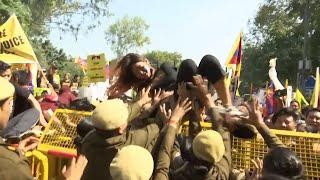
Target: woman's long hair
{"x":126,"y":79}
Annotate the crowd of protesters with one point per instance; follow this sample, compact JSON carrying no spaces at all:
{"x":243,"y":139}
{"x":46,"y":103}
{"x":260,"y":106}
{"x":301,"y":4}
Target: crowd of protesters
{"x":139,"y":137}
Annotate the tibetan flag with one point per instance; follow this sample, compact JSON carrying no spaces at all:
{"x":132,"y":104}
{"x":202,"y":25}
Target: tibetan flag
{"x":235,"y":57}
{"x":315,"y":94}
{"x":81,"y":62}
{"x":271,"y":102}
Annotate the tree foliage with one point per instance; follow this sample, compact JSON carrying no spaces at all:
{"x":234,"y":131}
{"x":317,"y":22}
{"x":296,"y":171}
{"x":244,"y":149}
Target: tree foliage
{"x":127,"y":34}
{"x":277,"y":30}
{"x":47,"y":55}
{"x":39,"y":16}
{"x":158,"y":57}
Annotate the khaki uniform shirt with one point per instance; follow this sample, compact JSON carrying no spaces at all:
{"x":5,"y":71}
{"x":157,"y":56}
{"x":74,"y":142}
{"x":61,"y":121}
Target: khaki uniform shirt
{"x":161,"y":171}
{"x":220,"y":170}
{"x":12,"y":165}
{"x":100,"y":150}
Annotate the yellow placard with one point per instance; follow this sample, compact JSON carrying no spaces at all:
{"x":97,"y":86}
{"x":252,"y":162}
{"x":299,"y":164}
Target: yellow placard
{"x":96,"y":68}
{"x":17,"y":67}
{"x":38,"y":91}
{"x":85,"y":81}
{"x":14,"y":44}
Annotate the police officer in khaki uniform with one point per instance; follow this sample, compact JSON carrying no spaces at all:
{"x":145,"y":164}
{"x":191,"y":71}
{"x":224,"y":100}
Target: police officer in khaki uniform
{"x":209,"y":156}
{"x":132,"y":163}
{"x":112,"y":131}
{"x":136,"y":163}
{"x":13,"y":165}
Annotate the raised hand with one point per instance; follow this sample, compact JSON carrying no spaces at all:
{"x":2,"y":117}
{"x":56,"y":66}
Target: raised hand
{"x":257,"y":171}
{"x":165,"y":114}
{"x":75,"y":170}
{"x":182,"y":90}
{"x":160,"y":95}
{"x":28,"y":144}
{"x":144,"y":97}
{"x":255,"y":115}
{"x":182,"y":107}
{"x":199,"y":88}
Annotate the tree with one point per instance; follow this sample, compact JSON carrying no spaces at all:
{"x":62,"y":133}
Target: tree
{"x":47,"y":54}
{"x":39,"y":16}
{"x":127,"y":34}
{"x":277,"y":30}
{"x":158,"y":57}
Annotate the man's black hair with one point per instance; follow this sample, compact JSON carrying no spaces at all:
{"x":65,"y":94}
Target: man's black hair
{"x":287,"y":112}
{"x":4,"y":66}
{"x":273,"y":177}
{"x":295,"y":102}
{"x":312,"y":110}
{"x":282,"y":161}
{"x":23,"y":77}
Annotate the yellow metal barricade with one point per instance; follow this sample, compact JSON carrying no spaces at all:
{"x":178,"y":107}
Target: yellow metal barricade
{"x":305,"y":145}
{"x":57,"y":141}
{"x":39,"y":164}
{"x":61,"y":130}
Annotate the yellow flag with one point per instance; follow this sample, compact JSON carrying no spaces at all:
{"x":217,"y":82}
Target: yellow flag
{"x":237,"y":92}
{"x":315,"y":94}
{"x":286,"y":83}
{"x":14,"y":44}
{"x":228,"y":79}
{"x":300,"y":98}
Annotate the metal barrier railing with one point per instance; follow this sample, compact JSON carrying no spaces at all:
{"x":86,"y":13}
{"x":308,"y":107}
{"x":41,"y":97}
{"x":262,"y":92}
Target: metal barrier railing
{"x":305,"y":145}
{"x":57,"y":142}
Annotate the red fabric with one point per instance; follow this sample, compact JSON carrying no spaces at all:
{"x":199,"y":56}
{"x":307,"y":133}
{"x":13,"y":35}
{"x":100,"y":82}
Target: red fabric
{"x":237,"y":55}
{"x":66,"y":98}
{"x":51,"y":98}
{"x":49,"y":102}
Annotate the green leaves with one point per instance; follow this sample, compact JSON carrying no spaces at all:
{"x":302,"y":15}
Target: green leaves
{"x":127,"y":34}
{"x":156,"y":58}
{"x":277,"y":30}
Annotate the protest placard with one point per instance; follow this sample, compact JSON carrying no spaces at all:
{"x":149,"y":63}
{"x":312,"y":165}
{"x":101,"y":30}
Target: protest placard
{"x":14,"y":44}
{"x":96,"y":68}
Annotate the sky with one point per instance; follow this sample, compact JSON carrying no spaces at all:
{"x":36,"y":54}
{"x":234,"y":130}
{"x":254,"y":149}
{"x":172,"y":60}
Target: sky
{"x":192,"y":28}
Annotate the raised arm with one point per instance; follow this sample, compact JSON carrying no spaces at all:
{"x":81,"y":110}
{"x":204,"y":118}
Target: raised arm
{"x":163,"y":163}
{"x":255,"y":118}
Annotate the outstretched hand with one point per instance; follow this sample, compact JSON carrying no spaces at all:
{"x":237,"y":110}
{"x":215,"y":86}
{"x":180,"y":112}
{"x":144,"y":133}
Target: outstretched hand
{"x":28,"y":144}
{"x":164,"y":113}
{"x":144,"y":97}
{"x":76,"y":168}
{"x":257,"y":171}
{"x":160,"y":95}
{"x":182,"y":90}
{"x":182,"y":107}
{"x":200,"y":89}
{"x":255,"y":115}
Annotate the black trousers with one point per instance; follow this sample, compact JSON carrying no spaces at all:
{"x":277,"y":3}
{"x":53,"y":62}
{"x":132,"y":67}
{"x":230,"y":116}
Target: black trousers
{"x":209,"y":68}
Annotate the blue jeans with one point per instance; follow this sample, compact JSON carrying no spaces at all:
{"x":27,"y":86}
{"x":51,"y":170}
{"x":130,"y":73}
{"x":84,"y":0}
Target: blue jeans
{"x":21,"y":123}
